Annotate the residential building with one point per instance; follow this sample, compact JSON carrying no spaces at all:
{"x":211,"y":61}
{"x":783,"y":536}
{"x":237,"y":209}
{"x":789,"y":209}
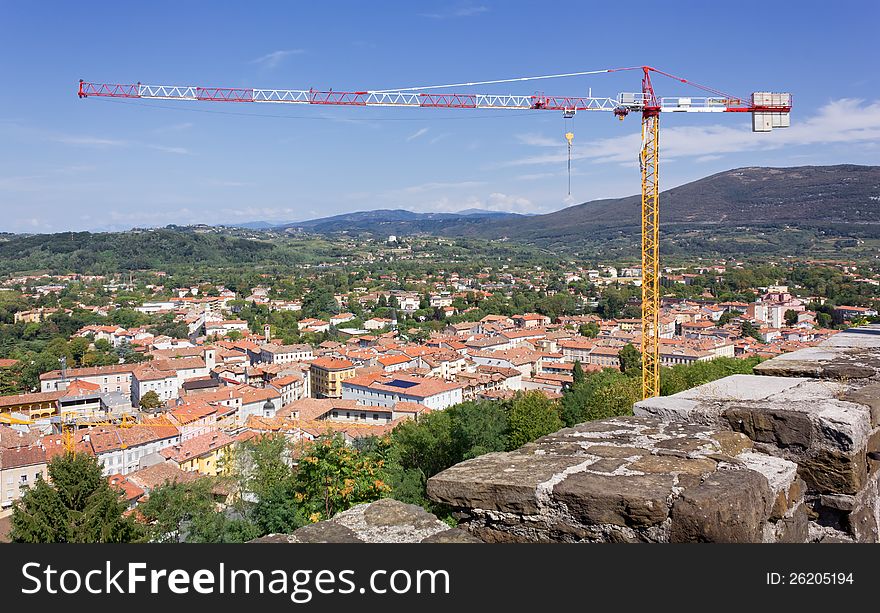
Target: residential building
{"x":205,"y":454}
{"x":114,"y":378}
{"x":291,"y":387}
{"x":327,"y":375}
{"x":285,"y":354}
{"x":383,"y":389}
{"x":20,"y":467}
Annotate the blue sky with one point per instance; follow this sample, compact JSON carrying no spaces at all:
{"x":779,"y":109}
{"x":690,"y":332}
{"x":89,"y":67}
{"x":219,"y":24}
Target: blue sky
{"x":71,"y":164}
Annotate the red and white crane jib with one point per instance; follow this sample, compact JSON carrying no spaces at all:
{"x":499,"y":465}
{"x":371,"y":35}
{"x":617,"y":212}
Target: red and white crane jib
{"x":346,"y":98}
{"x":769,"y":110}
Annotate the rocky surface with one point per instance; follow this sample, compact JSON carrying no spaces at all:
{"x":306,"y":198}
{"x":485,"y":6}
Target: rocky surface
{"x":819,"y":424}
{"x":853,"y":354}
{"x":817,"y":407}
{"x":383,"y":521}
{"x":628,"y":479}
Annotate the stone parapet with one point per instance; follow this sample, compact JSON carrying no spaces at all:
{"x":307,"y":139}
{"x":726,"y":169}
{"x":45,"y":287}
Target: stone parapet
{"x":817,"y":407}
{"x":383,"y":521}
{"x":628,"y":479}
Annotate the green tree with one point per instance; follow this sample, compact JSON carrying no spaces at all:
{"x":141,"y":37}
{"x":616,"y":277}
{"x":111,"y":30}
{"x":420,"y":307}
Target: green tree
{"x":531,"y":415}
{"x":265,"y":478}
{"x":426,"y":445}
{"x":477,"y":428}
{"x":577,"y":373}
{"x":630,"y":360}
{"x":78,"y":506}
{"x":749,"y":329}
{"x":791,"y":317}
{"x":685,"y":376}
{"x":589,"y":329}
{"x":333,"y":477}
{"x":824,"y":320}
{"x":78,"y":347}
{"x":173,"y":507}
{"x":150,"y":400}
{"x":611,"y":303}
{"x":607,"y":393}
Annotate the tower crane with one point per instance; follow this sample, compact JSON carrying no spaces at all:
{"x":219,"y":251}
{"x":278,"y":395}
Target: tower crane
{"x":768,"y":110}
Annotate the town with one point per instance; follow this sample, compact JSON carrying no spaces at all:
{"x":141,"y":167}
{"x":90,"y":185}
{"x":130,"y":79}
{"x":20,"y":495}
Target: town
{"x":161,"y":381}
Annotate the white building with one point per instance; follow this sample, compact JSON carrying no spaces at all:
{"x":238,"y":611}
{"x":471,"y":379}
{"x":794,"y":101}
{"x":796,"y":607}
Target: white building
{"x":285,"y":354}
{"x":386,"y":390}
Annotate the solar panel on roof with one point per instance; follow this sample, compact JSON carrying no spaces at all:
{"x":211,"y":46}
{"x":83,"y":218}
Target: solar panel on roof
{"x":402,"y":384}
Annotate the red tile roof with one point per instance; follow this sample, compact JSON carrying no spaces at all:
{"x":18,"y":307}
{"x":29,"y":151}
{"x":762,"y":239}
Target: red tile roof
{"x":131,"y":491}
{"x":197,"y":446}
{"x":332,"y":364}
{"x":193,"y":411}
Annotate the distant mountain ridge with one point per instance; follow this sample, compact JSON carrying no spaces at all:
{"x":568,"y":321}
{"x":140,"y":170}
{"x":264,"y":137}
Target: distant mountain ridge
{"x":803,"y":195}
{"x":396,"y":221}
{"x":800,"y":196}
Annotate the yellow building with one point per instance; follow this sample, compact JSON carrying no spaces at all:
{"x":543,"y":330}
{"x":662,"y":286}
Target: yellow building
{"x":205,"y":454}
{"x":327,"y":375}
{"x":39,"y":404}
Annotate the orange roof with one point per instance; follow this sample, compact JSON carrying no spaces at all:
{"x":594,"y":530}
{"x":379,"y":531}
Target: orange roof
{"x":422,"y":386}
{"x":37,"y":397}
{"x":128,"y":489}
{"x":91,"y":371}
{"x":192,"y":412}
{"x":332,"y":364}
{"x":391,"y":360}
{"x":80,"y":388}
{"x":197,"y":446}
{"x":409,"y":407}
{"x":255,"y":394}
{"x":285,"y":381}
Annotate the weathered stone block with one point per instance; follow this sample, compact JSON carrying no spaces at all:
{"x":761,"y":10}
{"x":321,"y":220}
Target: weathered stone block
{"x":499,"y":481}
{"x":793,"y":529}
{"x":383,"y":521}
{"x":853,"y":354}
{"x":632,"y":500}
{"x":831,"y":471}
{"x":778,"y":426}
{"x":616,"y":480}
{"x":729,"y":506}
{"x":869,"y":396}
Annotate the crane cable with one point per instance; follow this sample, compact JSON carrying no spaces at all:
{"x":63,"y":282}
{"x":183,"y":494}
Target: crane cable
{"x":512,"y":80}
{"x":569,"y":136}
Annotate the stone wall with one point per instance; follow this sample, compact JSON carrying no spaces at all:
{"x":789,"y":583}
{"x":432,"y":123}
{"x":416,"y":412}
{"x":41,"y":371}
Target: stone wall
{"x":788,"y":455}
{"x":628,"y":479}
{"x":383,"y":521}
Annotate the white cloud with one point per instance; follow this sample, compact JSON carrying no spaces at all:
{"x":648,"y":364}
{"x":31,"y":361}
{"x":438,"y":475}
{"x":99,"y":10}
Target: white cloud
{"x":175,"y":150}
{"x":847,"y":120}
{"x":175,"y":127}
{"x":254,"y":213}
{"x":417,"y":134}
{"x":89,"y":141}
{"x":433,"y":186}
{"x":495,"y":201}
{"x":273,"y":59}
{"x":539,"y":140}
{"x":106,"y":143}
{"x":462,"y":11}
